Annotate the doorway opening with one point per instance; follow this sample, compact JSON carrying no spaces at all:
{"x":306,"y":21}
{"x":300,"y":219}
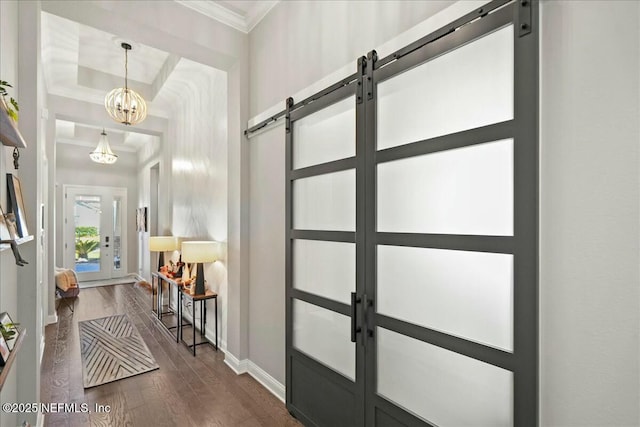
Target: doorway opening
{"x":95,"y":232}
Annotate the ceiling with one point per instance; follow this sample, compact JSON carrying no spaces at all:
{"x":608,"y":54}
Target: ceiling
{"x":83,"y":63}
{"x":242,"y":15}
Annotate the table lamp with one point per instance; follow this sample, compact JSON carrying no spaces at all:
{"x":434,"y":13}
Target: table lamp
{"x":162,"y":244}
{"x":199,"y":252}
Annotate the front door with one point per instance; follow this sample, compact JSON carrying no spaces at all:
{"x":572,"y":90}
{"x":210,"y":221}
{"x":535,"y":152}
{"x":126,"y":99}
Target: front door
{"x":95,"y":231}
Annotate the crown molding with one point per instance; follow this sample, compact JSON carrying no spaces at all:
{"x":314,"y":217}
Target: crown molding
{"x":259,"y":11}
{"x":244,"y":23}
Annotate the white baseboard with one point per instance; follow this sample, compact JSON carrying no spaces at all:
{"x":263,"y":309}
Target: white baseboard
{"x":274,"y":386}
{"x":237,"y":366}
{"x":246,"y":366}
{"x":136,"y":276}
{"x":52,"y":319}
{"x":41,"y":349}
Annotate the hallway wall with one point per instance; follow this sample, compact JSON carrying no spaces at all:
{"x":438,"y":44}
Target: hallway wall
{"x":9,"y":276}
{"x":589,"y":214}
{"x":23,"y":289}
{"x":193,"y":173}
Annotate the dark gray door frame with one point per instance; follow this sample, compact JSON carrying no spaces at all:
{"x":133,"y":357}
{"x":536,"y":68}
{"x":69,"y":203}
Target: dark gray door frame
{"x":316,"y":394}
{"x":368,"y":407}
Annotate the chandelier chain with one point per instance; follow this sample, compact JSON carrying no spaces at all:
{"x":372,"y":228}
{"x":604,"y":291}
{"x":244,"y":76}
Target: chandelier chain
{"x":126,"y":68}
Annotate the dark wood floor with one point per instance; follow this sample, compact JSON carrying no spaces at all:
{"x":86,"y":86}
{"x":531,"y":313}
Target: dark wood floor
{"x":185,"y":391}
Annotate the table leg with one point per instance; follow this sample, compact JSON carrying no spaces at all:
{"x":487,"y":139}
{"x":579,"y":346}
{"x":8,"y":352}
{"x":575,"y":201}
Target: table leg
{"x":193,"y":326}
{"x":216,"y":322}
{"x":203,"y":316}
{"x":179,"y":319}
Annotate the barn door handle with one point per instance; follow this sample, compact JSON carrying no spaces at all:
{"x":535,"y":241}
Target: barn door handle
{"x":354,"y":328}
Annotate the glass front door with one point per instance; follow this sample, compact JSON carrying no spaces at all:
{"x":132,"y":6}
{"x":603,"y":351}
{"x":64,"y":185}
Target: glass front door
{"x":94,"y":232}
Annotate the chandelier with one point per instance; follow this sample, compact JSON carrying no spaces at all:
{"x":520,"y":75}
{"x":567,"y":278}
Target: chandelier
{"x":124,"y":105}
{"x":102,"y":153}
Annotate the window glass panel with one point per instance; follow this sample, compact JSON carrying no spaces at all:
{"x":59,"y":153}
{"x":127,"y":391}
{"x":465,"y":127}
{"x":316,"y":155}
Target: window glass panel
{"x":325,"y":202}
{"x":326,"y":135}
{"x":87,"y":216}
{"x":117,"y":233}
{"x":467,"y":294}
{"x":323,"y":268}
{"x":469,"y":87}
{"x":440,"y":386}
{"x":325,"y":336}
{"x":462,"y":191}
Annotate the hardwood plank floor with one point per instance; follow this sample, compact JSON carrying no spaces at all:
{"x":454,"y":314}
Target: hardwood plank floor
{"x":185,"y":391}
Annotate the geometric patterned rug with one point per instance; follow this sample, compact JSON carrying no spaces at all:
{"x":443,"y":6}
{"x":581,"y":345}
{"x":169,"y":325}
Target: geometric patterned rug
{"x":112,"y":349}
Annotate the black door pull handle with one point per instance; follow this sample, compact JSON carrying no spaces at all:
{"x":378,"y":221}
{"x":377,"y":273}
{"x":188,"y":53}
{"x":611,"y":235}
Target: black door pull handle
{"x":354,"y":328}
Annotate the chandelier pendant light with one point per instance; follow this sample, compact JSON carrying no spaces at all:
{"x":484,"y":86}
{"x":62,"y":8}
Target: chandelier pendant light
{"x":125,"y":105}
{"x":102,"y":153}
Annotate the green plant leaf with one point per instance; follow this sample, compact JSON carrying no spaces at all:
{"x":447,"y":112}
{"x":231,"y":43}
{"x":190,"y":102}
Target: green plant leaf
{"x":15,"y":104}
{"x":84,"y":246}
{"x":83,"y":231}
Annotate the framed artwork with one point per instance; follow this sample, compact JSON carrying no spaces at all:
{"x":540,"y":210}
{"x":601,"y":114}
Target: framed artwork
{"x":16,"y":204}
{"x":5,"y":234}
{"x":141,"y":219}
{"x":8,"y":325}
{"x":4,"y":351}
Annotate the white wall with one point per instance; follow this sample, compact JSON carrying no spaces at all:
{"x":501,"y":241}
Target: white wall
{"x":589,"y":252}
{"x":300,"y":42}
{"x":197,"y":172}
{"x":589,"y":213}
{"x":192,"y":201}
{"x":267,"y":253}
{"x":21,"y":289}
{"x":8,"y":278}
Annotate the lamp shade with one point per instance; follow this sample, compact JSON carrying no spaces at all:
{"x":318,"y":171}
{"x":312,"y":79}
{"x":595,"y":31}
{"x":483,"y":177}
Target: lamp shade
{"x":163,"y":243}
{"x":199,"y":251}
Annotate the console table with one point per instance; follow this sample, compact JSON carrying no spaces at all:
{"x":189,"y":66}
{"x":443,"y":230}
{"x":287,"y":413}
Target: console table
{"x":202,"y":299}
{"x":158,"y":279}
{"x":183,"y":295}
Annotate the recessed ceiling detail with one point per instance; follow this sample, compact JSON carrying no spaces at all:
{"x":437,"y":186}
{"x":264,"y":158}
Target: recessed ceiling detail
{"x":84,"y":63}
{"x":81,"y":64}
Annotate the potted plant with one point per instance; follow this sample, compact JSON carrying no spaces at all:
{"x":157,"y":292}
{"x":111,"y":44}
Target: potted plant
{"x":12,"y":107}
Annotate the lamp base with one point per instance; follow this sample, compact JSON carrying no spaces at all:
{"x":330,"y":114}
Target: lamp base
{"x":200,"y":279}
{"x":160,"y":260}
